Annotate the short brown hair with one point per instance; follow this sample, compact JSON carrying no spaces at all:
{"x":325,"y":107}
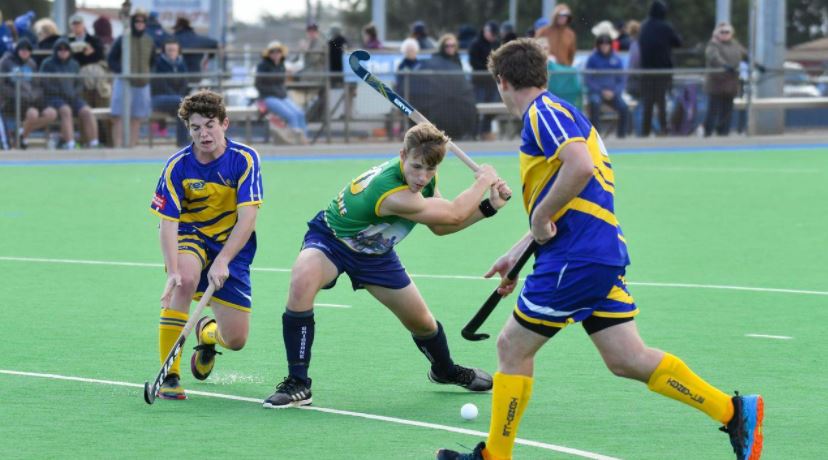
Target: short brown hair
{"x":426,"y":140}
{"x":205,"y":103}
{"x":521,"y":62}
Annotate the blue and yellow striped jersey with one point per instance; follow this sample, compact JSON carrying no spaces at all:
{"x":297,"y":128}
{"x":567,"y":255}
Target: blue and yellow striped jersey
{"x":587,"y":227}
{"x":204,"y":197}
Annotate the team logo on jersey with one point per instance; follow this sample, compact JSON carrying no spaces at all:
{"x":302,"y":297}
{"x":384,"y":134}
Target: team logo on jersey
{"x":158,"y":201}
{"x":197,"y":185}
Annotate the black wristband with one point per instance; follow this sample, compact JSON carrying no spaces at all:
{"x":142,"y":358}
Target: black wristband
{"x":486,"y":208}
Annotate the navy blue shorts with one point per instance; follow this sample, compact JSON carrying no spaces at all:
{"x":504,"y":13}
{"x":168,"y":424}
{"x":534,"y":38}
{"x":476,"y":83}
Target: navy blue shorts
{"x":383,"y":270}
{"x":57,"y":102}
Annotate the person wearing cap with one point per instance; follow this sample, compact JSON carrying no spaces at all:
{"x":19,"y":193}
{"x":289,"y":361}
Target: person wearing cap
{"x":141,"y":59}
{"x":485,"y":89}
{"x":63,"y":96}
{"x":23,"y":24}
{"x":270,"y":83}
{"x":87,"y":49}
{"x":606,"y":88}
{"x":21,"y":70}
{"x":559,"y":34}
{"x":723,"y":54}
{"x":607,"y":28}
{"x":419,"y":32}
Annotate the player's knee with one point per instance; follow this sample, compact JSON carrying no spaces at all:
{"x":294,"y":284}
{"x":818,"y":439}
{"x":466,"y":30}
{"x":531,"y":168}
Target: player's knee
{"x":621,"y":366}
{"x":505,"y":347}
{"x":235,"y":343}
{"x":188,"y":283}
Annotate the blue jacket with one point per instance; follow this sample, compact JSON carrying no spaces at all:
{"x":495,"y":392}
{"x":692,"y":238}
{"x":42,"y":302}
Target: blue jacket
{"x":188,"y":39}
{"x":598,"y":83}
{"x":176,"y":86}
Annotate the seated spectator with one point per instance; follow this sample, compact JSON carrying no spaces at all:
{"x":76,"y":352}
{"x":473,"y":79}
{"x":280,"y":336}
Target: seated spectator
{"x":47,"y":35}
{"x":419,"y":32}
{"x":64,"y":96}
{"x":606,"y":89}
{"x":370,"y":38}
{"x":270,"y":82}
{"x":168,"y":92}
{"x":142,"y":56}
{"x":88,"y":51}
{"x":410,"y":63}
{"x":189,"y":39}
{"x":22,"y":68}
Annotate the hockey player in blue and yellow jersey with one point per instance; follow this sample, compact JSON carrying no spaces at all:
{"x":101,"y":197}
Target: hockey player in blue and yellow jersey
{"x":578,"y":276}
{"x":208,"y":198}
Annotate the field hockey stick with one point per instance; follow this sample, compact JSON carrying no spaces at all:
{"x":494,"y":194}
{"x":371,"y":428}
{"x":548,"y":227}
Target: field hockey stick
{"x":400,"y":103}
{"x":469,"y":332}
{"x":150,"y":391}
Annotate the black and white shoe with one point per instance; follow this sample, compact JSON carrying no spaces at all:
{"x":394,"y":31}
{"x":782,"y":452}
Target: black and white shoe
{"x":292,"y":392}
{"x":471,"y":379}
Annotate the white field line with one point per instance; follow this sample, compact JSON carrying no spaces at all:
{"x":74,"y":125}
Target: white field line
{"x":331,"y":305}
{"x":424,"y":276}
{"x":718,"y":170}
{"x":765,"y":336}
{"x":381,"y":418}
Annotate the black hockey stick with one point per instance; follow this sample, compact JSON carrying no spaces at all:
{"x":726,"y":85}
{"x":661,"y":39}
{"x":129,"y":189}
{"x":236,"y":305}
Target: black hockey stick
{"x":469,"y":332}
{"x":151,"y":391}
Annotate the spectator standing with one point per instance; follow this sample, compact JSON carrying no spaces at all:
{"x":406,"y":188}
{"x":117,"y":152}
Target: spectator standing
{"x":723,"y":53}
{"x":141,"y":56}
{"x":22,"y":69}
{"x":559,"y":34}
{"x":485,"y":89}
{"x":47,"y":35}
{"x":507,"y":32}
{"x":103,"y":30}
{"x":156,"y":31}
{"x":188,"y":39}
{"x":370,"y":38}
{"x":23,"y":24}
{"x":168,"y":92}
{"x":64,"y":96}
{"x":336,"y":48}
{"x":419,"y":32}
{"x":270,"y":83}
{"x":656,"y":42}
{"x":607,"y":88}
{"x":633,"y":29}
{"x":409,"y":48}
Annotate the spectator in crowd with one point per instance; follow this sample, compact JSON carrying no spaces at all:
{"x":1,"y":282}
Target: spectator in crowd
{"x":103,"y":30}
{"x":560,"y":36}
{"x":313,"y":47}
{"x":168,"y":92}
{"x":336,"y":48}
{"x":22,"y":68}
{"x":419,"y":32}
{"x":607,"y":28}
{"x":156,"y":31}
{"x":633,"y":29}
{"x":606,"y":89}
{"x":141,"y":58}
{"x":86,"y":49}
{"x":190,"y":40}
{"x":448,"y":48}
{"x":270,"y":83}
{"x":409,"y":48}
{"x":466,"y":35}
{"x":562,"y":79}
{"x":623,"y":39}
{"x":656,"y":42}
{"x":723,"y":53}
{"x":23,"y":25}
{"x":370,"y":37}
{"x":47,"y":35}
{"x":63,"y":95}
{"x":485,"y":89}
{"x":6,"y":36}
{"x":539,"y":24}
{"x":507,"y":32}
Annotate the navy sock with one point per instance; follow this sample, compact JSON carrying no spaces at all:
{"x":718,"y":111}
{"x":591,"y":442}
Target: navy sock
{"x":297,"y":330}
{"x":435,"y":348}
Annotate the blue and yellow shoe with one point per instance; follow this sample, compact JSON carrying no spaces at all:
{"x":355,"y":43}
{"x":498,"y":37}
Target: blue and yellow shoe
{"x":171,"y":388}
{"x":204,"y":357}
{"x":476,"y":454}
{"x":745,"y":428}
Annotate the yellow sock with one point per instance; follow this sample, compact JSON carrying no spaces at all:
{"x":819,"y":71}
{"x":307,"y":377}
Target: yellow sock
{"x":510,"y":395}
{"x":210,"y":335}
{"x":672,"y":378}
{"x":170,"y":327}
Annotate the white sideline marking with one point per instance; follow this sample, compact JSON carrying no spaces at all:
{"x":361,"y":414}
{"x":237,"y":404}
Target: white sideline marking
{"x":381,"y":418}
{"x":764,"y":336}
{"x":453,"y":277}
{"x":332,"y":305}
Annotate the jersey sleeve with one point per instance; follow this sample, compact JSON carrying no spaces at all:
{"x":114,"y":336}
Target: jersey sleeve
{"x":166,"y":202}
{"x":249,"y":190}
{"x":552,"y":129}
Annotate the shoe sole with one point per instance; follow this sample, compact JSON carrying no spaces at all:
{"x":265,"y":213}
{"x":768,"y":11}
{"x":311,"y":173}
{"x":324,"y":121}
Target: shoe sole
{"x":304,"y":402}
{"x":177,"y":397}
{"x":433,"y":379}
{"x":756,"y":438}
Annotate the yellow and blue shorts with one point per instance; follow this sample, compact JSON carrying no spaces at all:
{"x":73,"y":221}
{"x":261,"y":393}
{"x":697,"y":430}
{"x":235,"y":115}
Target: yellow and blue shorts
{"x":557,"y":294}
{"x":236,"y":292}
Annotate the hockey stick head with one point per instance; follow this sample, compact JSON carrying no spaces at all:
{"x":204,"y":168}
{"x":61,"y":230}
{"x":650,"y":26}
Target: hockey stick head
{"x":353,"y":60}
{"x":472,"y":336}
{"x":149,"y":394}
{"x":366,"y":76}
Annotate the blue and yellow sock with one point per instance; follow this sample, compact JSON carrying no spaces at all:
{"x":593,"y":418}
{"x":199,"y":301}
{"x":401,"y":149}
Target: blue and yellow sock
{"x":672,"y":378}
{"x":169,"y":328}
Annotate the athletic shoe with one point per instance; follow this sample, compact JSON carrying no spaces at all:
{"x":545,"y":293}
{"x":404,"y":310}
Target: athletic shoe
{"x":202,"y":361}
{"x":171,"y":388}
{"x":292,"y":392}
{"x":745,"y":428}
{"x":468,"y":378}
{"x":476,"y":454}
